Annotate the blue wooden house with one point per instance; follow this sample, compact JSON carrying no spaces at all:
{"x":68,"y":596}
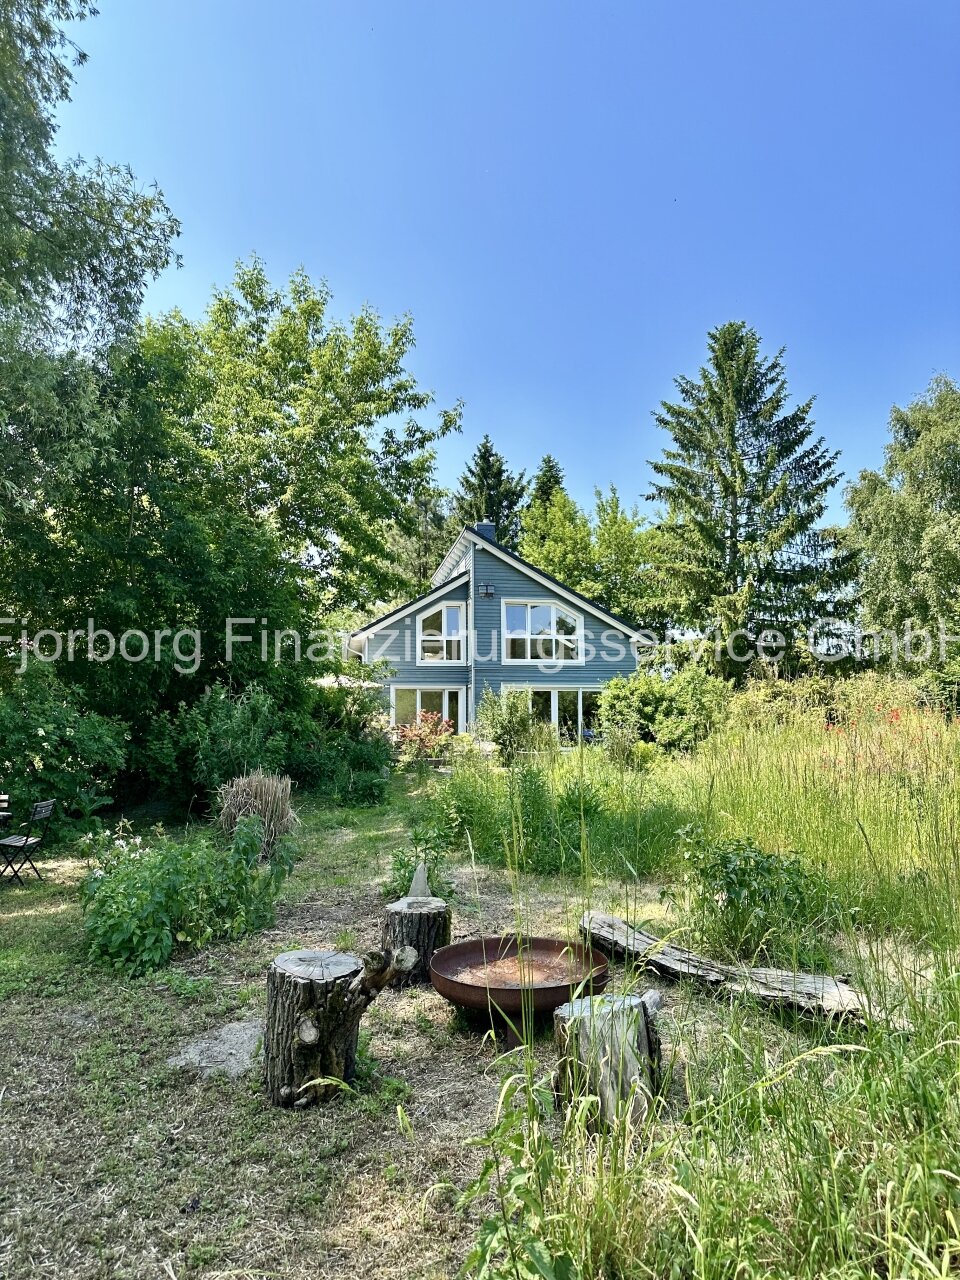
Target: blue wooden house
{"x":491,"y":620}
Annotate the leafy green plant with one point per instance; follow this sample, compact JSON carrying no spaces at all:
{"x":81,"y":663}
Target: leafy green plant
{"x":675,"y":712}
{"x":427,"y":847}
{"x":53,"y":748}
{"x":220,"y":736}
{"x":506,"y":720}
{"x":146,"y":897}
{"x":748,"y":904}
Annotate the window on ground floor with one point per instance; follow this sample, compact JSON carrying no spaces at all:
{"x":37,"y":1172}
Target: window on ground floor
{"x":408,"y":703}
{"x":573,"y":712}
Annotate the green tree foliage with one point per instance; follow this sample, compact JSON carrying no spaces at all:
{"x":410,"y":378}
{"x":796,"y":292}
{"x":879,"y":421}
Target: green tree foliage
{"x":488,"y":488}
{"x":905,"y":518}
{"x":252,"y":469}
{"x":77,"y":247}
{"x":557,"y":538}
{"x":419,"y":543}
{"x":547,"y":480}
{"x":609,"y":558}
{"x":627,"y":582}
{"x":77,"y":244}
{"x":744,"y":485}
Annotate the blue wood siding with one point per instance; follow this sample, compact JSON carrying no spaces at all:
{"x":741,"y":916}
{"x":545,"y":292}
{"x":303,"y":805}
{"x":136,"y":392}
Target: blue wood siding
{"x":613,"y":654}
{"x":396,"y":642}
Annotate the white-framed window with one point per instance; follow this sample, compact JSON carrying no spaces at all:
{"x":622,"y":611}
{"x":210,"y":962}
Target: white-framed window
{"x":441,"y":635}
{"x":407,"y":702}
{"x":541,"y":631}
{"x":572,"y":712}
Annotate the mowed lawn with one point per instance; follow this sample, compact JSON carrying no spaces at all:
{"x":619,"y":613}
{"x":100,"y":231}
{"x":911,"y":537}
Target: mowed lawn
{"x":118,"y":1164}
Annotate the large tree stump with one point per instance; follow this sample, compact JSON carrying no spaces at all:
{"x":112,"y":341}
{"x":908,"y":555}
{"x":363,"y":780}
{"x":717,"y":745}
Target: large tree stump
{"x":421,"y":923}
{"x":315,"y":1000}
{"x":610,"y":1049}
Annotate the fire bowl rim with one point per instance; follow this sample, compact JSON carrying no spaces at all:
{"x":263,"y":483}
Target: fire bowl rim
{"x":543,"y":998}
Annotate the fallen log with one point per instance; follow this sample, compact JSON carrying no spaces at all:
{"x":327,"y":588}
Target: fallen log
{"x":609,"y":1049}
{"x":315,"y":1000}
{"x":806,"y":992}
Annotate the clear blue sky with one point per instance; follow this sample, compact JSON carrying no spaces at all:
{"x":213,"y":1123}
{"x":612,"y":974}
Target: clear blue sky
{"x":565,"y":196}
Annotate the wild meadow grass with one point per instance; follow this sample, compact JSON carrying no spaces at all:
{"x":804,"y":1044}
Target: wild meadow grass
{"x":779,"y":1147}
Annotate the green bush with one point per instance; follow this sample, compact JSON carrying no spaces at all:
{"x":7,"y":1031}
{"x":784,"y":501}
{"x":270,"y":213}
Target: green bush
{"x":51,"y":748}
{"x":748,"y":904}
{"x":146,"y":897}
{"x":675,"y":712}
{"x":340,"y":768}
{"x":505,"y":719}
{"x":220,"y":736}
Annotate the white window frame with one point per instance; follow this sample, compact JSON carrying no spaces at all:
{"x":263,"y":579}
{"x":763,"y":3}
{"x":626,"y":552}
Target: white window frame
{"x":461,"y":635}
{"x":554,"y":690}
{"x":419,"y":689}
{"x":506,"y":637}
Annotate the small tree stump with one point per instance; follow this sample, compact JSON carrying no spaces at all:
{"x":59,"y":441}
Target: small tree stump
{"x":315,"y":1000}
{"x":609,"y":1048}
{"x":421,"y":923}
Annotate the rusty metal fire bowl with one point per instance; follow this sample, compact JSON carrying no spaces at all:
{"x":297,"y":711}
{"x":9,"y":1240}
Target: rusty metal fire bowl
{"x":511,"y":974}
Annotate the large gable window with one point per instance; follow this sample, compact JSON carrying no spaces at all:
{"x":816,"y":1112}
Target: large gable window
{"x":440,"y":635}
{"x":541,"y":633}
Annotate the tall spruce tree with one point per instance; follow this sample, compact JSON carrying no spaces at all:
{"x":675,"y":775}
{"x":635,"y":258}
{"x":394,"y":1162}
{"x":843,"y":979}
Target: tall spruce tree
{"x":489,"y":488}
{"x":744,"y":487}
{"x":547,"y":480}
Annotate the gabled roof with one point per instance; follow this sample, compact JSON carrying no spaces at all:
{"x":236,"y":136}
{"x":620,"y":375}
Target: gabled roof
{"x":470,"y":535}
{"x":435,"y":593}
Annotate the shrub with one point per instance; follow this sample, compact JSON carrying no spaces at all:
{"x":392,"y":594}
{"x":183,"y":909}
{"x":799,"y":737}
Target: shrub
{"x":342,"y":769}
{"x":220,"y":736}
{"x":428,"y":848}
{"x":52,"y":748}
{"x":506,"y":720}
{"x":748,"y":904}
{"x":147,"y":897}
{"x":262,"y":795}
{"x":426,"y":739}
{"x":674,"y":712}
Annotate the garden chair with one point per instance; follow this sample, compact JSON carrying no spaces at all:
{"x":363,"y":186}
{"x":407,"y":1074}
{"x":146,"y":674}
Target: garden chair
{"x":17,"y":850}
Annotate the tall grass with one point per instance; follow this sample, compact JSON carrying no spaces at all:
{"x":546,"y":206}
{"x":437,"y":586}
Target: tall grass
{"x":872,"y":802}
{"x":780,"y":1147}
{"x":561,"y":813}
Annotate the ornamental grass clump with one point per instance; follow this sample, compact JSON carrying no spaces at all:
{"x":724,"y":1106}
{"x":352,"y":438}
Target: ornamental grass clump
{"x":261,"y":795}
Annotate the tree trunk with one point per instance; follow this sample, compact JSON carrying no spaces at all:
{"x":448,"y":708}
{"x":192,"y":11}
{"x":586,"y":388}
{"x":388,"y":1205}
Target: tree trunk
{"x":809,"y":993}
{"x":315,"y":1000}
{"x":420,"y":923}
{"x":610,"y":1049}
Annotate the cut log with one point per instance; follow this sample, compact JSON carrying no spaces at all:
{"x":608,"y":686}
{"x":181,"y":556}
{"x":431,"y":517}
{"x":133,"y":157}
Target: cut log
{"x":811,"y":993}
{"x":420,"y":923}
{"x":609,"y":1049}
{"x":315,"y":1000}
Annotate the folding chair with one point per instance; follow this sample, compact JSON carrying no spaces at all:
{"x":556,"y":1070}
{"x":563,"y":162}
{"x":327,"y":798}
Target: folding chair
{"x":23,"y":846}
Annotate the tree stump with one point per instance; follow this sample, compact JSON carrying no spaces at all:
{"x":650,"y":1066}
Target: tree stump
{"x":420,"y":923}
{"x":315,"y":1000}
{"x":610,"y":1049}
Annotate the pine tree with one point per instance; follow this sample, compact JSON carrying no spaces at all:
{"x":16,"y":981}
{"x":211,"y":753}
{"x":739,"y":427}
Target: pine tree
{"x":744,"y":487}
{"x":548,"y":479}
{"x":489,"y":488}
